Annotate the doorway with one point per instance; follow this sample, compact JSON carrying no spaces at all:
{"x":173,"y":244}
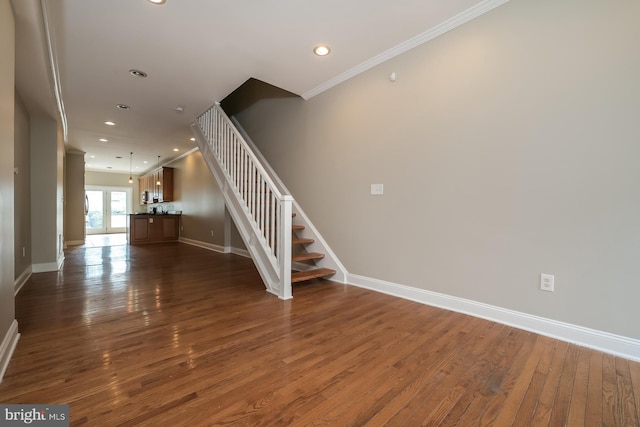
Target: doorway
{"x":106,"y":209}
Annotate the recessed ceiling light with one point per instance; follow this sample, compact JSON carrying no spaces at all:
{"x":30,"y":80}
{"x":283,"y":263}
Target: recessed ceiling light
{"x":322,"y":50}
{"x":118,"y":157}
{"x":145,"y":162}
{"x":109,"y":123}
{"x":175,"y":149}
{"x":93,"y":157}
{"x":157,"y":1}
{"x":109,"y":167}
{"x":192,"y":139}
{"x":103,"y":140}
{"x":137,"y":73}
{"x":123,"y":106}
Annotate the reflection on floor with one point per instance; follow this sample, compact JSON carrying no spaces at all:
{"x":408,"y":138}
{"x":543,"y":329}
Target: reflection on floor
{"x":101,"y":240}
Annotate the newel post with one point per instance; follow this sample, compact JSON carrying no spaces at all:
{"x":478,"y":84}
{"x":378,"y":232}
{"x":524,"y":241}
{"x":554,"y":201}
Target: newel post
{"x":284,"y":247}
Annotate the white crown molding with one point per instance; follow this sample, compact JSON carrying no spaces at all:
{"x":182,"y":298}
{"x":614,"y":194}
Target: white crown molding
{"x":182,"y":156}
{"x":55,"y":75}
{"x":21,"y":280}
{"x":407,"y":45}
{"x":7,"y":347}
{"x":628,"y":348}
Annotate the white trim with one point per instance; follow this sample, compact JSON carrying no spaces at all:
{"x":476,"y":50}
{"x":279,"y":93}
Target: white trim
{"x":216,"y":248}
{"x":240,"y":252}
{"x":45,"y":267}
{"x":407,"y":45}
{"x":21,"y":280}
{"x":8,"y":346}
{"x":626,"y":347}
{"x":53,"y":63}
{"x":193,"y":150}
{"x":205,"y":245}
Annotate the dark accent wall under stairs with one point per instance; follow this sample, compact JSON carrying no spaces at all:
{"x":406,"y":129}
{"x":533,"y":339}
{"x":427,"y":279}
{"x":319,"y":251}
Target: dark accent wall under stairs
{"x":249,"y":93}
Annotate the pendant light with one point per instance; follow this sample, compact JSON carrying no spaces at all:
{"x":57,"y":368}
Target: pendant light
{"x":131,"y":167}
{"x":158,"y":183}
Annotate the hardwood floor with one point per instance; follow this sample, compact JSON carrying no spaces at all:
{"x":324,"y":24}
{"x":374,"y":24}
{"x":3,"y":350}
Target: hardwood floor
{"x":172,"y":335}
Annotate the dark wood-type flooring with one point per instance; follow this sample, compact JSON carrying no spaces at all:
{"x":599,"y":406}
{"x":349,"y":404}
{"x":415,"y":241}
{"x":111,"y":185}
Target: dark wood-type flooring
{"x":174,"y":335}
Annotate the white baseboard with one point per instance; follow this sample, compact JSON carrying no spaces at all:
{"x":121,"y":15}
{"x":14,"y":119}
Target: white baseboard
{"x":21,"y":280}
{"x":205,"y":245}
{"x":7,"y":347}
{"x":44,"y":267}
{"x":216,"y":248}
{"x":628,"y":348}
{"x":241,"y":252}
{"x":48,"y":266}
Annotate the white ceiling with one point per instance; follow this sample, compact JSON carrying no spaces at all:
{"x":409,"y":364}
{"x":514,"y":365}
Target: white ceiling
{"x":196,"y":52}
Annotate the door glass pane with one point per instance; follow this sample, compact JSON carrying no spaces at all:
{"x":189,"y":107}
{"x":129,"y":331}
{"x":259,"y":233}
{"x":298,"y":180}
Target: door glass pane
{"x":118,"y":209}
{"x":95,"y":211}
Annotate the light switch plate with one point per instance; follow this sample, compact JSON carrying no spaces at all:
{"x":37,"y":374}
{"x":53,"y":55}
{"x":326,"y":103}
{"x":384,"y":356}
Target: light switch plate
{"x":377,"y":189}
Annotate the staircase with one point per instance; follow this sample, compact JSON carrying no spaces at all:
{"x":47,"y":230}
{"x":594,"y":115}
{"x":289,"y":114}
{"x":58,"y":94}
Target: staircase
{"x":262,"y":209}
{"x":303,"y":256}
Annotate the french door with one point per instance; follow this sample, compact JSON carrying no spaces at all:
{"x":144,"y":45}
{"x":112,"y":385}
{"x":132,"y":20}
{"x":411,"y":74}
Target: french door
{"x":106,"y":209}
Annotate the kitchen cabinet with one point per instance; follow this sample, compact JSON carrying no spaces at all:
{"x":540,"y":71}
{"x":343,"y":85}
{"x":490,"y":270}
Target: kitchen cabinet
{"x":151,"y":192}
{"x":149,"y":228}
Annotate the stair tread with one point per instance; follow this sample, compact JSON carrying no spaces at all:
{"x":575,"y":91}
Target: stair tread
{"x":307,"y":256}
{"x":300,"y":276}
{"x":298,"y":241}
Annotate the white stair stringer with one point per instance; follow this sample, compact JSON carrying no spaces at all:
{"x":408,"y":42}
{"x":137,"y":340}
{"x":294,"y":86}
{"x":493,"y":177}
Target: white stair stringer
{"x":272,"y":259}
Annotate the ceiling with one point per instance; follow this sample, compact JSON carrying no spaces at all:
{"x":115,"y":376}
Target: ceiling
{"x":195,"y":53}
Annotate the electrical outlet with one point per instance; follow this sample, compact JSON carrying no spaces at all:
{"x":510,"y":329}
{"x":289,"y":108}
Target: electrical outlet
{"x":547,"y":282}
{"x":24,"y":251}
{"x":211,"y":233}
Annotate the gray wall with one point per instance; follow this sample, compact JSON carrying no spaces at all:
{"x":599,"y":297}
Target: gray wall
{"x":74,"y":218}
{"x":200,"y":200}
{"x":45,"y":204}
{"x":22,"y":192}
{"x":507,"y":148}
{"x":7,"y":53}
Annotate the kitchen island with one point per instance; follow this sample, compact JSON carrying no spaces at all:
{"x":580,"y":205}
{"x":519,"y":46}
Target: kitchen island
{"x":153,"y":228}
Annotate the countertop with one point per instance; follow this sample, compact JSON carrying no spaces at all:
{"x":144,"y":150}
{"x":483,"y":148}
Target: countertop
{"x":154,"y":214}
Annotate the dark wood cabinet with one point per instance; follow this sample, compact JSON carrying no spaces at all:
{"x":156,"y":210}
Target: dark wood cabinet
{"x":153,"y":229}
{"x":171,"y":227}
{"x":139,"y":229}
{"x":157,"y":193}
